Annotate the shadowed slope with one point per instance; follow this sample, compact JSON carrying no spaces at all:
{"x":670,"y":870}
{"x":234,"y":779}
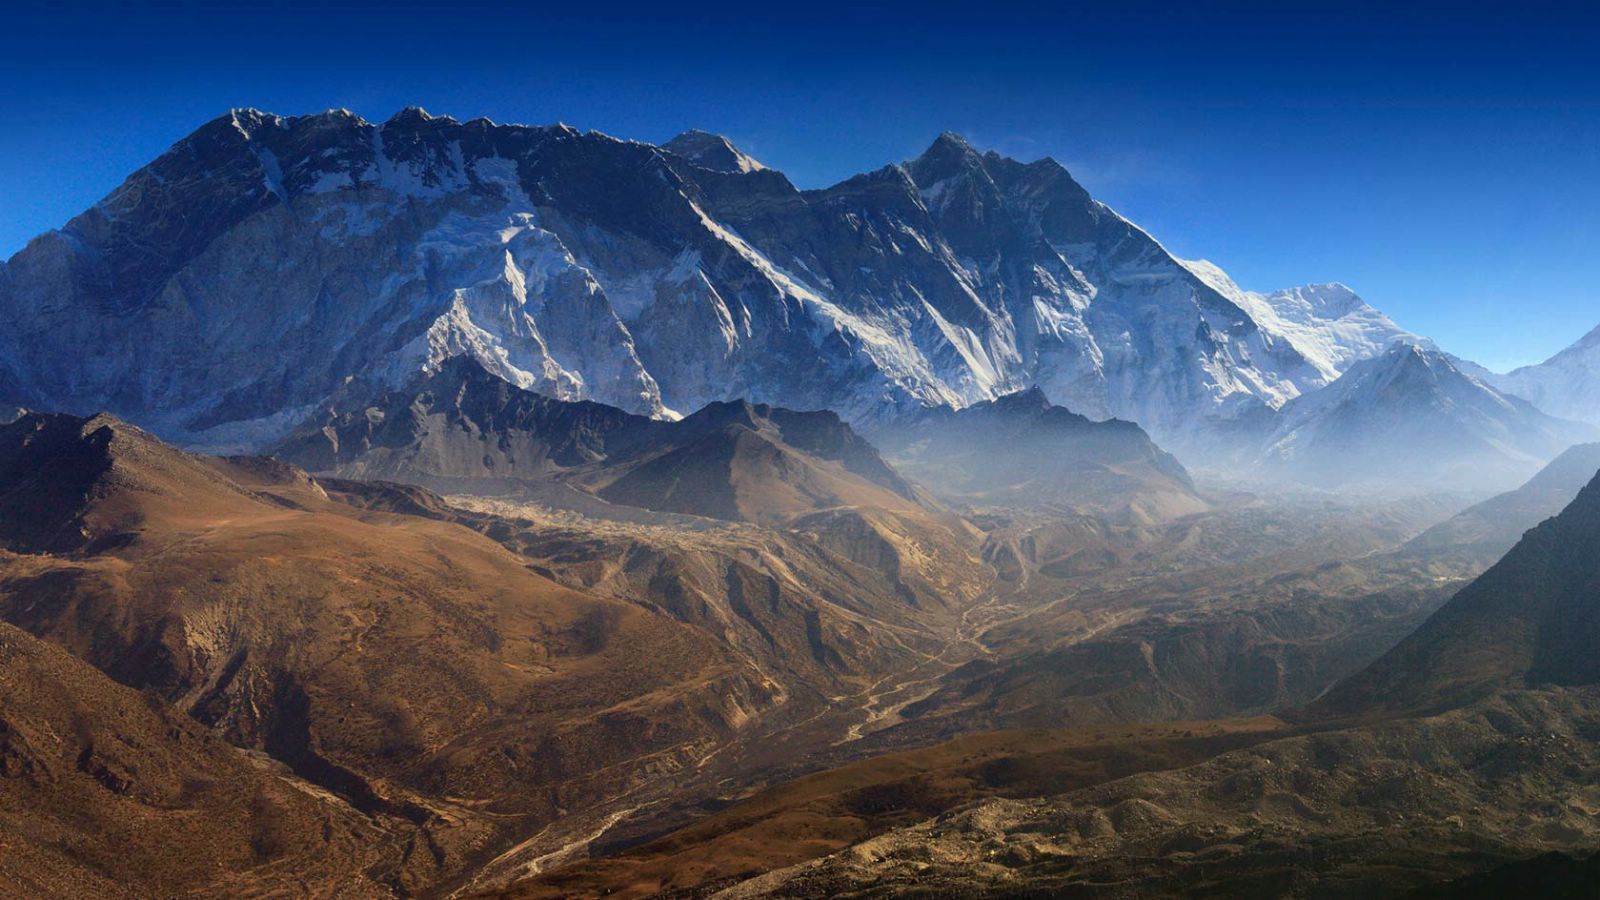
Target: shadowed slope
{"x":105,"y":794}
{"x":1023,"y":450}
{"x":1532,"y":619}
{"x":1494,"y":526}
{"x":65,"y":482}
{"x":468,"y":430}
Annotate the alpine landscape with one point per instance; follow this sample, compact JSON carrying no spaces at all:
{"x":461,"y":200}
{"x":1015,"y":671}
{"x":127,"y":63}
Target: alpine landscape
{"x":434,"y":507}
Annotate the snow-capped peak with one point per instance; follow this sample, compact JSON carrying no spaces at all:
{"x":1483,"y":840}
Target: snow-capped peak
{"x":1566,"y":385}
{"x":410,"y":114}
{"x":1411,"y":416}
{"x":1328,"y":323}
{"x":588,"y":266}
{"x":712,"y":151}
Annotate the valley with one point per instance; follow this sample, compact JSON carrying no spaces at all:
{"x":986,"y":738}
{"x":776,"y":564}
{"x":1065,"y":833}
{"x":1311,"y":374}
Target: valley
{"x":440,"y":509}
{"x":411,"y":654}
{"x":951,"y":692}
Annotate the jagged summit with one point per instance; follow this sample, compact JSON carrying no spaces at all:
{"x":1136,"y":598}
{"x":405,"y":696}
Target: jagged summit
{"x":410,"y":114}
{"x":1030,"y":399}
{"x":712,"y":151}
{"x":1329,"y":324}
{"x":265,"y":267}
{"x":948,"y":155}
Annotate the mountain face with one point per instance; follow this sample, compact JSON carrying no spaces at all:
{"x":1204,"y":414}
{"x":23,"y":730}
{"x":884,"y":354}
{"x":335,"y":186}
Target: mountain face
{"x":1412,"y":417}
{"x":463,"y":422}
{"x":1022,"y":450}
{"x":1565,"y":385}
{"x":1532,"y":620}
{"x":266,"y":266}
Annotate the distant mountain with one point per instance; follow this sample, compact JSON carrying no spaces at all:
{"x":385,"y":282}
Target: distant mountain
{"x":464,"y":422}
{"x":1533,"y":619}
{"x":1410,"y":417}
{"x":1494,"y":526}
{"x":754,"y":463}
{"x":468,"y":428}
{"x":1021,"y":449}
{"x":1565,"y":385}
{"x":264,"y":267}
{"x":1328,"y":323}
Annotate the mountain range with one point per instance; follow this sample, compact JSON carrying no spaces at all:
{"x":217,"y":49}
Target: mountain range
{"x":464,"y":426}
{"x":438,"y":508}
{"x":265,"y":265}
{"x":266,"y":268}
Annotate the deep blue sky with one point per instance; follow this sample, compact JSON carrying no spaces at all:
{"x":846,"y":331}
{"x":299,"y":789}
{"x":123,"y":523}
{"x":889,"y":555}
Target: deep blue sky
{"x":1443,"y":159}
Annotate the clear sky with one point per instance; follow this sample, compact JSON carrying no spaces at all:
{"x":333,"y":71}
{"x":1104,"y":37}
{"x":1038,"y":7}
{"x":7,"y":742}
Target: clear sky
{"x":1442,"y":159}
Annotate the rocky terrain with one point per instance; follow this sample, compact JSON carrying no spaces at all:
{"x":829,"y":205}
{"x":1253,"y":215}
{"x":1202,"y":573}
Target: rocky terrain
{"x":819,"y":814}
{"x":470,"y":675}
{"x":1494,"y":759}
{"x":432,"y":508}
{"x":412,"y":667}
{"x":1374,"y":811}
{"x":104,"y":793}
{"x":499,"y":686}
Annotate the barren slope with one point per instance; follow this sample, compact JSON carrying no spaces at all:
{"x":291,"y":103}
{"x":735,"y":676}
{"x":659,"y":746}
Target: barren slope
{"x":410,"y":665}
{"x":104,"y":793}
